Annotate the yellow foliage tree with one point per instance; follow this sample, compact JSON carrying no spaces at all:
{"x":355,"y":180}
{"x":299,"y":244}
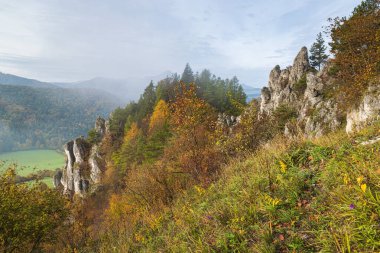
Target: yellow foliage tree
{"x":159,"y":117}
{"x":132,"y":133}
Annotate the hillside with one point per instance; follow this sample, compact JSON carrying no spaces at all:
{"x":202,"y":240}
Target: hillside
{"x":192,"y":167}
{"x":8,"y":79}
{"x":320,"y":195}
{"x":34,"y":118}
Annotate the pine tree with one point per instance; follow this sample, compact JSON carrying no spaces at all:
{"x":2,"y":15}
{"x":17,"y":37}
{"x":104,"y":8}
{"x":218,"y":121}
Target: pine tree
{"x":147,"y":101}
{"x":187,"y":76}
{"x":318,"y":52}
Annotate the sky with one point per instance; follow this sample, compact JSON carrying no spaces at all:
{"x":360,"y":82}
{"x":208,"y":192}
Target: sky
{"x":71,"y":40}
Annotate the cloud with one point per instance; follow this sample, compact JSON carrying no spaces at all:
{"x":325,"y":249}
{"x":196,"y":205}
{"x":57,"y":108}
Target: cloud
{"x":72,"y":40}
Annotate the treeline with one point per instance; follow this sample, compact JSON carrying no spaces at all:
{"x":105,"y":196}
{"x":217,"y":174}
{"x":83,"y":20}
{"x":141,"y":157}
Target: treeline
{"x":223,"y":95}
{"x":35,"y":118}
{"x":180,"y":112}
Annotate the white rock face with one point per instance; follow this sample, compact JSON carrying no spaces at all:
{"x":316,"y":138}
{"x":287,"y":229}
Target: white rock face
{"x":73,"y":179}
{"x":67,"y":173}
{"x":83,"y":165}
{"x":79,"y":150}
{"x":96,"y":172}
{"x":368,"y":110}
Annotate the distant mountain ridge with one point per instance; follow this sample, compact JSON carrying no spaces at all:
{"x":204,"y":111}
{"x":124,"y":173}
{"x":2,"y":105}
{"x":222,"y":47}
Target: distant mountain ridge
{"x":126,"y":90}
{"x":9,"y":79}
{"x":35,"y":114}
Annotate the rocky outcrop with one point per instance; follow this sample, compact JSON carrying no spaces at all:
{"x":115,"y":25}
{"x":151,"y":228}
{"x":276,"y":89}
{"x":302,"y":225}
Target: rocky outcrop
{"x":101,"y":126}
{"x":302,"y":88}
{"x":305,"y":90}
{"x":84,"y":165}
{"x":282,"y":86}
{"x":367,"y":111}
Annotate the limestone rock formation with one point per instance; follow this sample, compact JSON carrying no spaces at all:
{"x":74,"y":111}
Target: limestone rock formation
{"x":100,"y":126}
{"x":84,"y":165}
{"x":305,"y":90}
{"x":368,"y":110}
{"x":281,"y":86}
{"x":302,"y":88}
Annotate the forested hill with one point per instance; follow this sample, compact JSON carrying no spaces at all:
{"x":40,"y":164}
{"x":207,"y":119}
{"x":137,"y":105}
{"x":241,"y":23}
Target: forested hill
{"x":47,"y":117}
{"x":9,"y":79}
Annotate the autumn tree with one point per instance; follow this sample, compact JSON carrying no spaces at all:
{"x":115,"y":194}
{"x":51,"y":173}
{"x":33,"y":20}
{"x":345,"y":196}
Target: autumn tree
{"x":159,"y":132}
{"x":159,"y":117}
{"x":132,"y":149}
{"x":318,"y":52}
{"x":29,"y":215}
{"x":356,"y":47}
{"x":193,"y":123}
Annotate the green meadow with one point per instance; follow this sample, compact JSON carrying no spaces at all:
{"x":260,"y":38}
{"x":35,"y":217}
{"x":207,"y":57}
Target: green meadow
{"x":31,"y":161}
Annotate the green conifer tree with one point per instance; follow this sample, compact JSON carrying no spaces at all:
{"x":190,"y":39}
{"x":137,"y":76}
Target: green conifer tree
{"x":187,"y":76}
{"x":318,"y":52}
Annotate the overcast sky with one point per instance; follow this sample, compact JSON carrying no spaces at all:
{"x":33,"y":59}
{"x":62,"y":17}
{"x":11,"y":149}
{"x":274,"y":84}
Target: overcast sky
{"x":69,"y":40}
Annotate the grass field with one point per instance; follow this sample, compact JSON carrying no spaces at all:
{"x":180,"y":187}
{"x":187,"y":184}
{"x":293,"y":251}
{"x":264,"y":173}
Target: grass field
{"x":31,"y":161}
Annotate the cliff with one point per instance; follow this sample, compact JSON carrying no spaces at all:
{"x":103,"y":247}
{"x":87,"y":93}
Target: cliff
{"x":306,"y":91}
{"x":84,"y":165}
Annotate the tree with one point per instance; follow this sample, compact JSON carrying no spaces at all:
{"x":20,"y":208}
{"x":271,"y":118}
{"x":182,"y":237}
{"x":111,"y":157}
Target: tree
{"x":147,"y":101}
{"x":165,"y":88}
{"x":193,"y":122}
{"x":236,"y":97}
{"x":187,"y":75}
{"x":132,"y":149}
{"x":355,"y":43}
{"x":318,"y":52}
{"x":93,"y":136}
{"x":29,"y":215}
{"x":159,"y":117}
{"x":366,"y":7}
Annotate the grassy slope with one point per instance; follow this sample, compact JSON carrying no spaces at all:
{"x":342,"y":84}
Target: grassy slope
{"x":306,"y":196}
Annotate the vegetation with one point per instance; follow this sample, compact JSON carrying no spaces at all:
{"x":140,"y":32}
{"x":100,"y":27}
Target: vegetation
{"x":185,"y":175}
{"x":318,"y":52}
{"x":32,"y":160}
{"x":304,"y":196}
{"x":33,"y":165}
{"x":30,"y":216}
{"x":40,"y":118}
{"x":356,"y":47}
